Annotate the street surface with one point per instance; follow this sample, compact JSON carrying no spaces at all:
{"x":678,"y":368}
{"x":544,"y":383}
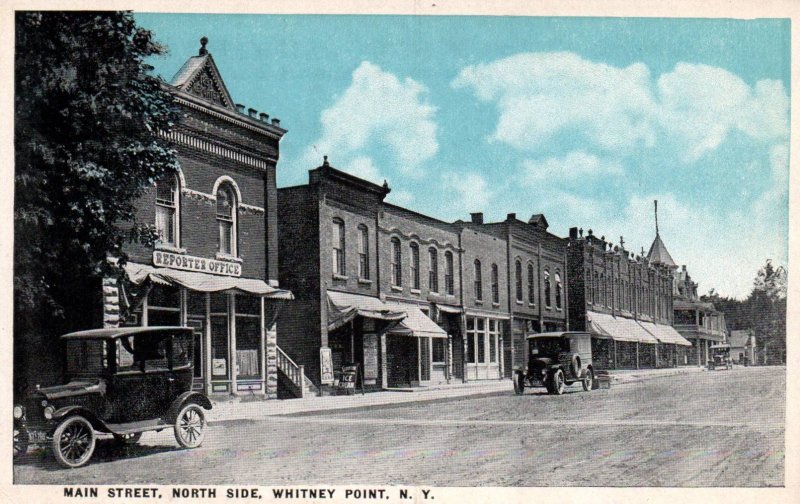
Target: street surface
{"x":719,"y":428}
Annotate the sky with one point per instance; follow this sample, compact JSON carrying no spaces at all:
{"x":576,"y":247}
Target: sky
{"x":587,"y":120}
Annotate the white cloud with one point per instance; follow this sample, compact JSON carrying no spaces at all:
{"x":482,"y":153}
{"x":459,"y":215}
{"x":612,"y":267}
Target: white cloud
{"x":364,"y":168}
{"x":378,"y":116}
{"x":542,"y":95}
{"x":400,"y":197}
{"x":573,"y":166}
{"x":470,"y":192}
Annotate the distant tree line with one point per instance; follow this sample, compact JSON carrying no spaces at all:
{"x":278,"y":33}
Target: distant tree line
{"x":763,"y":311}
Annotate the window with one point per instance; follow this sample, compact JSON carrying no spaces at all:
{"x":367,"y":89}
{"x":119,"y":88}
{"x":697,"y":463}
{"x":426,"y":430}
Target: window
{"x":558,"y":290}
{"x":478,"y":281}
{"x":433,"y":272}
{"x":338,"y":247}
{"x":531,"y":285}
{"x":494,"y":335}
{"x":449,"y":284}
{"x":588,"y":283}
{"x":596,"y":289}
{"x":609,"y":290}
{"x":167,"y":211}
{"x":495,"y":285}
{"x":601,"y":299}
{"x":414,"y":266}
{"x":226,"y":217}
{"x":547,"y":300}
{"x":518,"y":271}
{"x":363,"y":252}
{"x":397,"y":263}
{"x":439,"y":350}
{"x":248,"y":337}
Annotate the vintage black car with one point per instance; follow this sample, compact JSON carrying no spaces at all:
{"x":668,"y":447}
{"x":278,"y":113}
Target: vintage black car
{"x":555,"y":360}
{"x":122,"y":382}
{"x":720,"y":357}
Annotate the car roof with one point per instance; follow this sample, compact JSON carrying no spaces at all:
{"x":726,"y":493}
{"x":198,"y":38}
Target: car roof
{"x":558,"y":334}
{"x":721,"y":345}
{"x":117,"y":332}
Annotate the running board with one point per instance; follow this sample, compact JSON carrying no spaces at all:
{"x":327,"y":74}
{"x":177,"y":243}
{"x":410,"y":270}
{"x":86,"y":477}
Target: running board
{"x":136,"y":427}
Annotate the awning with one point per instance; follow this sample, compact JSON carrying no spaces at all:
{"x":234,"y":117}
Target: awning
{"x":455,"y":310}
{"x":203,"y":282}
{"x":618,"y":328}
{"x":417,"y":322}
{"x":665,"y":333}
{"x":344,"y":307}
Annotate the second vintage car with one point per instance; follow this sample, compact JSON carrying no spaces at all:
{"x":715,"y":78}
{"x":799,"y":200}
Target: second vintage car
{"x":555,"y":360}
{"x":122,"y":382}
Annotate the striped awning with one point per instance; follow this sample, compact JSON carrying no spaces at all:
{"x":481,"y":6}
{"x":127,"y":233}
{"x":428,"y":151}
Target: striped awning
{"x":665,"y":333}
{"x":617,"y":328}
{"x":419,"y":324}
{"x":344,"y":307}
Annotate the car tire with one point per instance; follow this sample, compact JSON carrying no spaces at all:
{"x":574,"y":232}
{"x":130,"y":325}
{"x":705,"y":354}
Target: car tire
{"x":127,"y":439}
{"x":557,"y":383}
{"x":190,"y":426}
{"x":588,"y":381}
{"x":73,"y":442}
{"x":20,"y":440}
{"x":519,"y":383}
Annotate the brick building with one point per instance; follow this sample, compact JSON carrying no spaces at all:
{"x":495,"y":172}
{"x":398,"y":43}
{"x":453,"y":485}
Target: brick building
{"x":215,"y":266}
{"x":624,"y":300}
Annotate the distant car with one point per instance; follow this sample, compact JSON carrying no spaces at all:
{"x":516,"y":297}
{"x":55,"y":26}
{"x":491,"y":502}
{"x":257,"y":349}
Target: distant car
{"x":123,"y":382}
{"x":555,"y":360}
{"x":720,"y":357}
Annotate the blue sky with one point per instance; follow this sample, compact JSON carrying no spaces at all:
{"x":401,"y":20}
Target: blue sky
{"x":586,"y":120}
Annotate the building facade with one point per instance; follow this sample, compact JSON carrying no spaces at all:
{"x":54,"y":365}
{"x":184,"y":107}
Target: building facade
{"x":215,"y":265}
{"x":698,"y":321}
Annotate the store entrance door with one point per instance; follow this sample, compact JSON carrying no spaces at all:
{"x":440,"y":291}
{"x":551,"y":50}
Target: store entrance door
{"x":198,"y":326}
{"x":402,"y":361}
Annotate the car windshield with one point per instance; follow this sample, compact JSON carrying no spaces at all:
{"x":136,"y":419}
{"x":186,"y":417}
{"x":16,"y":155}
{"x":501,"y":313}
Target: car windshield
{"x":548,"y":346}
{"x":87,"y":356}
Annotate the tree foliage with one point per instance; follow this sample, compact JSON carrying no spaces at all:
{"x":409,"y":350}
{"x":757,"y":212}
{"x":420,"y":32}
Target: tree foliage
{"x":87,"y":121}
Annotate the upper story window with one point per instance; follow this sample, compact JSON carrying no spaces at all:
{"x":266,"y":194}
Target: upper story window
{"x":226,"y":218}
{"x":363,"y":252}
{"x":478,"y":281}
{"x":596,"y":289}
{"x":414,"y":266}
{"x":495,"y":284}
{"x":449,"y":283}
{"x":433,"y":272}
{"x":531,"y":285}
{"x":601,"y":299}
{"x":558,"y":290}
{"x":397,"y":263}
{"x":518,"y":272}
{"x":337,"y":241}
{"x":547,"y":301}
{"x":167,"y":211}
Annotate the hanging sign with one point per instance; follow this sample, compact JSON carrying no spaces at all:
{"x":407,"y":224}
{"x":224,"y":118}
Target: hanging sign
{"x":370,"y":359}
{"x":191,"y":263}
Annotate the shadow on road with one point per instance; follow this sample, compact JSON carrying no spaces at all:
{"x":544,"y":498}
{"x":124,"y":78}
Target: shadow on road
{"x":106,"y":450}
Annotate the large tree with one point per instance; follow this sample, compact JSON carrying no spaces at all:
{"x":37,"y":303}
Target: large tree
{"x":88,"y":114}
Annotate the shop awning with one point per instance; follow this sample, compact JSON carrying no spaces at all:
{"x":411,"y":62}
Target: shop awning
{"x":203,"y":282}
{"x":618,"y":328}
{"x":455,"y":310}
{"x":344,"y":307}
{"x":665,"y":333}
{"x":417,"y":322}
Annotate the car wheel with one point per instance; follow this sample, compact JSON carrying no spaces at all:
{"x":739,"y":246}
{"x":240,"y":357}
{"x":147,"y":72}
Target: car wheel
{"x":557,"y":383}
{"x":20,"y":440}
{"x":128,"y":439}
{"x":588,"y":381}
{"x":519,"y":383}
{"x":190,"y":426}
{"x":73,"y":442}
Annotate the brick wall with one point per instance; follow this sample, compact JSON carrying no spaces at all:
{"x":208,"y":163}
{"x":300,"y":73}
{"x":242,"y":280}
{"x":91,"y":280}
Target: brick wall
{"x":488,"y":249}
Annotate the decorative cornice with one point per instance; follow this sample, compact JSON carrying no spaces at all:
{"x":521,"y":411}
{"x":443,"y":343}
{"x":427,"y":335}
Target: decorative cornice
{"x":416,"y":237}
{"x":266,"y":130}
{"x":182,"y":138}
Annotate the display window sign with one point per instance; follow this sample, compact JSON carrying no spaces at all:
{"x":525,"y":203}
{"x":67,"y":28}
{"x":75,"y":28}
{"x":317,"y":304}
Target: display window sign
{"x":219,"y":367}
{"x":200,"y":264}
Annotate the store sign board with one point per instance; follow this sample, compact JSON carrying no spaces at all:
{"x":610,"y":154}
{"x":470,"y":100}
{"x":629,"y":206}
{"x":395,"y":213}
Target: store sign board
{"x":370,"y":359}
{"x":326,"y":366}
{"x":200,"y":264}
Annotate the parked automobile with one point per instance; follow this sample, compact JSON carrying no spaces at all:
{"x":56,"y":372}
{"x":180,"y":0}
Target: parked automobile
{"x":720,"y":357}
{"x":123,"y":382}
{"x":555,"y":360}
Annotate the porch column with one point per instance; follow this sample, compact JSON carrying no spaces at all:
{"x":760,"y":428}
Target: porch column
{"x":464,"y":344}
{"x":232,"y":340}
{"x":449,"y":358}
{"x":384,"y":371}
{"x":207,"y":364}
{"x":501,"y":359}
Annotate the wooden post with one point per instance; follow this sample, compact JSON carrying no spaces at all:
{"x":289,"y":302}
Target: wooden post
{"x":302,"y":381}
{"x":232,"y":343}
{"x":352,"y":341}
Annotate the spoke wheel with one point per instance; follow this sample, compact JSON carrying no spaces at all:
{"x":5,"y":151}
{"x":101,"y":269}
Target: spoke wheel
{"x":558,"y":382}
{"x":73,"y":442}
{"x":20,"y":440}
{"x":128,"y":439}
{"x":519,"y":383}
{"x":588,"y":381}
{"x":190,"y":426}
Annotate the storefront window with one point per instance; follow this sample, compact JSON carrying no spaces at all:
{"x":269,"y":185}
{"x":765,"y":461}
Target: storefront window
{"x":439,"y":350}
{"x":164,"y":306}
{"x":248,"y":337}
{"x":471,"y":340}
{"x":220,"y":364}
{"x":493,"y":335}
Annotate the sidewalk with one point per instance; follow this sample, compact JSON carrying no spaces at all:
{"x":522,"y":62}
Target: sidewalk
{"x":243,"y":409}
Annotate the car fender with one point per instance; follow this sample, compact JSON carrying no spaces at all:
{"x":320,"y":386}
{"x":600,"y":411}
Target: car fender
{"x":67,"y":411}
{"x":191,"y":396}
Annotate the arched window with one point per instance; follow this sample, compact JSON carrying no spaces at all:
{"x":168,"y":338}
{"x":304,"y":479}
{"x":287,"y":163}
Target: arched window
{"x":609,"y":290}
{"x":226,"y":218}
{"x":547,"y":300}
{"x":596,"y":289}
{"x":433,"y":271}
{"x":601,"y":300}
{"x":363,"y":252}
{"x":495,"y":285}
{"x":478,"y":281}
{"x":531,"y":285}
{"x":449,"y":283}
{"x":414,"y":266}
{"x":167,"y":211}
{"x":337,"y":242}
{"x":518,"y":272}
{"x":397,"y":263}
{"x":558,"y":290}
